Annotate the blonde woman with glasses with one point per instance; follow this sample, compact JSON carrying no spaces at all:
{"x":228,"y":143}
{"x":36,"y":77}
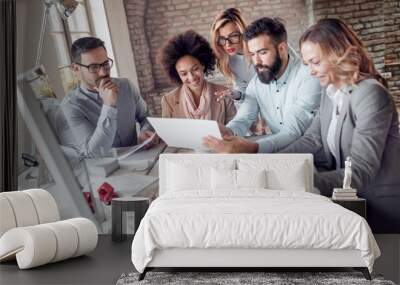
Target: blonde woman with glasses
{"x":357,"y":119}
{"x":226,"y":41}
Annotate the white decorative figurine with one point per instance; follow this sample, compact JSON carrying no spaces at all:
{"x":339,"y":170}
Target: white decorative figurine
{"x":347,"y":174}
{"x":346,"y":192}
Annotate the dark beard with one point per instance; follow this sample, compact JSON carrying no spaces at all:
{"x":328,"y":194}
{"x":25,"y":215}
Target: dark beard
{"x":270,"y":72}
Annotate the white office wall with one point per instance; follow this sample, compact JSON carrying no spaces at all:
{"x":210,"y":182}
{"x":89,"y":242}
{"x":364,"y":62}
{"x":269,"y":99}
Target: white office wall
{"x":120,"y":40}
{"x":101,"y":30}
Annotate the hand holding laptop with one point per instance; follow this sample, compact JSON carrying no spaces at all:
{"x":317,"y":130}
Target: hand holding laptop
{"x":137,"y":147}
{"x":145,"y":135}
{"x":185,"y":133}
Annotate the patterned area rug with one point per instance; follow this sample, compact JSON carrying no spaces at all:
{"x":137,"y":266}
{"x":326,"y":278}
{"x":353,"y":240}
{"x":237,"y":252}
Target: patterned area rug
{"x":243,"y":278}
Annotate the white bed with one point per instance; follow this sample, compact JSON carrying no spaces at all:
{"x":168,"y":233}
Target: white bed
{"x":220,"y":211}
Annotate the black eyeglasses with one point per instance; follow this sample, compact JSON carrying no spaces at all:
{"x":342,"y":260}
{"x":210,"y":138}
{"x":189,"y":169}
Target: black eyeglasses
{"x":95,"y":67}
{"x":232,"y":39}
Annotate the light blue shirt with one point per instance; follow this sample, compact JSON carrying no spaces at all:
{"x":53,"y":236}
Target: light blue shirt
{"x":287,"y":105}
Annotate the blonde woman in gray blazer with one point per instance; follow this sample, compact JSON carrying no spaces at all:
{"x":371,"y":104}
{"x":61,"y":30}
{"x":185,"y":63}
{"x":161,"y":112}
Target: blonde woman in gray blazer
{"x":357,"y":118}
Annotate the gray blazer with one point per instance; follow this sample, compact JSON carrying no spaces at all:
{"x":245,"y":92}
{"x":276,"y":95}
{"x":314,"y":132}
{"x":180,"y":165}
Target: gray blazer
{"x":367,"y":131}
{"x":98,"y":127}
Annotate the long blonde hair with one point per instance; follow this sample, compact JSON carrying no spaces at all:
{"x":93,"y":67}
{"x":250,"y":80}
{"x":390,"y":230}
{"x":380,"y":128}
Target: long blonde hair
{"x":347,"y":56}
{"x":231,"y":15}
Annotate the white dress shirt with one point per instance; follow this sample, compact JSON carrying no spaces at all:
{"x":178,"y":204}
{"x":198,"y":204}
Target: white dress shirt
{"x":336,"y":96}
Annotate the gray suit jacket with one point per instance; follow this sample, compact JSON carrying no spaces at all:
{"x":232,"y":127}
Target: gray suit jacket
{"x":97,"y":127}
{"x":368,"y":132}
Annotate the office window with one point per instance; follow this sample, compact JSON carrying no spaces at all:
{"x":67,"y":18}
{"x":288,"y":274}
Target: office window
{"x":64,"y":32}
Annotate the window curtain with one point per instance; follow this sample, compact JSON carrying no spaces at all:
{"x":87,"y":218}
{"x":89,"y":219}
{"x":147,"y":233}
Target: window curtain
{"x":8,"y":98}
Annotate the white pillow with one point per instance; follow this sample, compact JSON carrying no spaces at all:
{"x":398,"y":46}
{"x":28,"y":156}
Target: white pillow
{"x":188,"y":175}
{"x":222,"y":179}
{"x":251,"y":178}
{"x":282,"y":174}
{"x":292,"y":179}
{"x":183,"y":177}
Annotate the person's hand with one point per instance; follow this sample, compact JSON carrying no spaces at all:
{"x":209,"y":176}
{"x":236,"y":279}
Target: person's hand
{"x":108,"y":91}
{"x":224,"y":130}
{"x":144,"y":135}
{"x":230,"y":144}
{"x":228,"y":94}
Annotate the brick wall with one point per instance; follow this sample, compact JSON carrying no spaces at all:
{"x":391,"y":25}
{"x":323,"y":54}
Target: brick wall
{"x":392,"y":46}
{"x":152,"y":22}
{"x":377,"y":22}
{"x":136,"y":14}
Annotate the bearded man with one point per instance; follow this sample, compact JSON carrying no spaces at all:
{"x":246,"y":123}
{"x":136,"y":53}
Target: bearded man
{"x":283,"y":91}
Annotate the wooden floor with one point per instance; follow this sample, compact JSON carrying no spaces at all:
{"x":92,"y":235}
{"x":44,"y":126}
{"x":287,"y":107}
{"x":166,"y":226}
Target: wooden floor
{"x":102,"y":266}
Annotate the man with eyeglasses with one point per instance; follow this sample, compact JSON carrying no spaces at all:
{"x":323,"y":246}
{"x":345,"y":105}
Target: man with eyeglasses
{"x":283,"y":91}
{"x":102,"y":111}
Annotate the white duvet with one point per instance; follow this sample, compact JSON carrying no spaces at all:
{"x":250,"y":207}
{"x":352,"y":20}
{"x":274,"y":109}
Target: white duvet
{"x":257,"y":218}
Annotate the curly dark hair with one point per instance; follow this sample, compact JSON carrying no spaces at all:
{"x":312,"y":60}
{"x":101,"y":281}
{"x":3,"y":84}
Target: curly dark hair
{"x":187,"y":43}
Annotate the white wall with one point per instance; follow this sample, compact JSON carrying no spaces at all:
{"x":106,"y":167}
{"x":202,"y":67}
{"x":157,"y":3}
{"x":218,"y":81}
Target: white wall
{"x":101,"y":30}
{"x":119,"y":35}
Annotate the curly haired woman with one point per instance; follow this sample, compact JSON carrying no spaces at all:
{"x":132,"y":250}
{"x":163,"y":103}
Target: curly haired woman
{"x":187,"y":58}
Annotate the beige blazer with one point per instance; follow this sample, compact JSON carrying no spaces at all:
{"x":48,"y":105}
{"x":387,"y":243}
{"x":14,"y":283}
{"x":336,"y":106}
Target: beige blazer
{"x":222,"y":111}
